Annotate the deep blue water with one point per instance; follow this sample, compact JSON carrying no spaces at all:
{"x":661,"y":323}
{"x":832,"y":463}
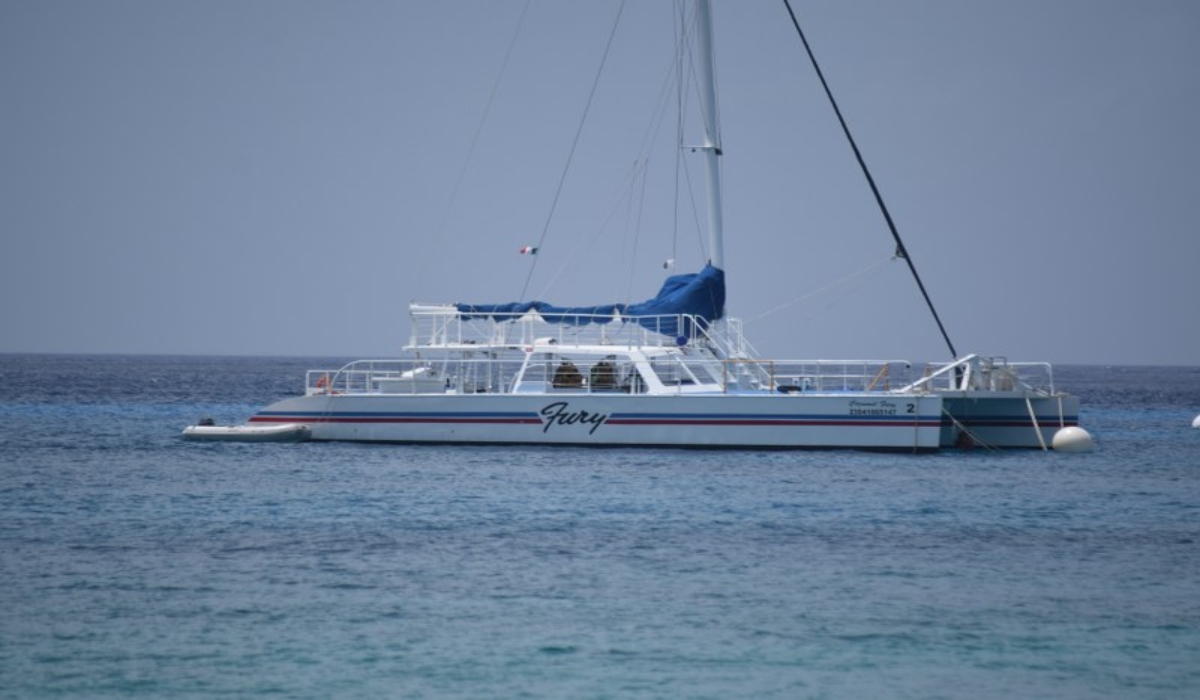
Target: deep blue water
{"x":135,"y":564}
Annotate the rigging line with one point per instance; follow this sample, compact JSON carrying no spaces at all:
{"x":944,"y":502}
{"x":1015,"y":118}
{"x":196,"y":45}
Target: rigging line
{"x":901,"y":251}
{"x":689,"y":86}
{"x":822,"y":290}
{"x":638,"y":172}
{"x":645,"y":151}
{"x":637,"y":230}
{"x":570,"y":156}
{"x":659,"y":112}
{"x":691,"y":192}
{"x":631,"y":267}
{"x":680,"y":33}
{"x":635,"y":172}
{"x":462,"y":172}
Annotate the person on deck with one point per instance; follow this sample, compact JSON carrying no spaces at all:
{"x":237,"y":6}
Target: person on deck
{"x":603,"y":376}
{"x":567,"y":376}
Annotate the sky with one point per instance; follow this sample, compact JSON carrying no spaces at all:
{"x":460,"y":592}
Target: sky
{"x":282,"y":177}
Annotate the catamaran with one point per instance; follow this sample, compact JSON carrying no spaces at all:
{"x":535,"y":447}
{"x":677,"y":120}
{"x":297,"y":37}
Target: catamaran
{"x":673,"y":371}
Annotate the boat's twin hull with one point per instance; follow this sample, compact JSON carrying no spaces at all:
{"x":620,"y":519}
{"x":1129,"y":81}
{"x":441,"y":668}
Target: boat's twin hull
{"x":891,"y":422}
{"x":1006,"y":419}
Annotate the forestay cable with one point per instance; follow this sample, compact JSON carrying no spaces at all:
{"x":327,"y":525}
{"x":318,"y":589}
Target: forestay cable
{"x":901,"y":251}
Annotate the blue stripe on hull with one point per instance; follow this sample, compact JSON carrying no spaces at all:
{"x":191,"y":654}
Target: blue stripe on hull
{"x":1014,"y":422}
{"x":615,"y":419}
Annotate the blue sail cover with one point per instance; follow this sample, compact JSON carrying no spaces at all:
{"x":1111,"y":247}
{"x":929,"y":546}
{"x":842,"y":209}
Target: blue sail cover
{"x":699,"y":294}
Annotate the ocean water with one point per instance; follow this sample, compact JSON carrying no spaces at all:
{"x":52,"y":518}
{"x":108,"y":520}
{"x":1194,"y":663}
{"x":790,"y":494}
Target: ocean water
{"x":135,"y":564}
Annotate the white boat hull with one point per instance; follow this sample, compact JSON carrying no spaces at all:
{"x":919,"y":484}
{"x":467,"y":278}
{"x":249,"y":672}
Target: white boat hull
{"x":883,"y":422}
{"x":275,"y":432}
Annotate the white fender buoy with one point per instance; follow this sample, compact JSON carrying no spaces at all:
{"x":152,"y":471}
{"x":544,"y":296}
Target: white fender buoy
{"x":1196,"y":422}
{"x":1072,"y":439}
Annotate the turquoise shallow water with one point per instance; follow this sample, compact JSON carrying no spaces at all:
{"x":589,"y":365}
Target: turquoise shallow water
{"x":135,"y":564}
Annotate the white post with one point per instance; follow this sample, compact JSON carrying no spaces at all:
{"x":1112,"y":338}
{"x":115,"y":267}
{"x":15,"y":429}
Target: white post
{"x":712,"y":143}
{"x":1037,"y":429}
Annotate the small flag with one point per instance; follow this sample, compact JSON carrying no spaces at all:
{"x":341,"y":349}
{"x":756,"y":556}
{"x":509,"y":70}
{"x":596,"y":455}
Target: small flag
{"x":528,"y":250}
{"x":668,"y":263}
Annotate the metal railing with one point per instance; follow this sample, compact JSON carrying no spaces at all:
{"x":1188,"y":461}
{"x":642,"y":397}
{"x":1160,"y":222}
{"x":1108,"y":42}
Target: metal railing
{"x":472,"y":372}
{"x":979,"y":373}
{"x":444,"y":326}
{"x":828,"y":376}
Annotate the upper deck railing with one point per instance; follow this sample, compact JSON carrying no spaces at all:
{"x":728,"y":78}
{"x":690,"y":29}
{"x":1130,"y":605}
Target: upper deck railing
{"x":443,"y":326}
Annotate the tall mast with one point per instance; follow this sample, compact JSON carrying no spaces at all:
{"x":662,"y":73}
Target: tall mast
{"x":712,"y":140}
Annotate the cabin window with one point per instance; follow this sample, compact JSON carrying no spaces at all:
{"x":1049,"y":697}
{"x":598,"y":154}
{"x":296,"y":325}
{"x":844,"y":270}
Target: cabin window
{"x":671,"y":372}
{"x":706,"y":373}
{"x":631,"y":381}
